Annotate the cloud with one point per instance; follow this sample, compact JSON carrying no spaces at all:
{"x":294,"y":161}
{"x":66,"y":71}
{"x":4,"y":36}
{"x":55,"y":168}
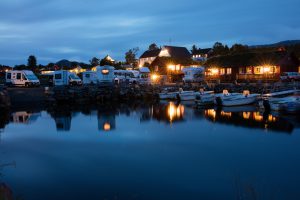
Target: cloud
{"x":82,"y":29}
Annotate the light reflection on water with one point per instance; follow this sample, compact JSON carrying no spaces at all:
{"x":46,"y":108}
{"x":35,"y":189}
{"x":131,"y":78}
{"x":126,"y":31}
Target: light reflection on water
{"x":163,"y":151}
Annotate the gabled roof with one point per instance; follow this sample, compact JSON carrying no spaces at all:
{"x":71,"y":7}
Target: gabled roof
{"x":174,"y":52}
{"x":277,"y":58}
{"x":150,"y":53}
{"x":178,"y":52}
{"x":202,"y":51}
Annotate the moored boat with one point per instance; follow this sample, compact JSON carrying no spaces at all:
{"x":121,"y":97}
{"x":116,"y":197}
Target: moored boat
{"x":235,"y":99}
{"x":203,"y":98}
{"x":186,"y":95}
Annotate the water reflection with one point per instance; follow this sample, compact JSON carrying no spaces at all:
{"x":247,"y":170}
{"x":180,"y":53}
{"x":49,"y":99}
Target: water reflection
{"x":106,"y":120}
{"x":24,"y":117}
{"x":168,"y":112}
{"x":249,"y":119}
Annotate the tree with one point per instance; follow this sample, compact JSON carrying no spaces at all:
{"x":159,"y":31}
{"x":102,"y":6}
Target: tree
{"x":194,"y":49}
{"x":95,"y":61}
{"x":31,"y":62}
{"x":153,"y":46}
{"x":220,"y":49}
{"x":238,"y":48}
{"x":130,"y":56}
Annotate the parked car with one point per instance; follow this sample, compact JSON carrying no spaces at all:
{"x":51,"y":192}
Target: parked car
{"x":290,"y":76}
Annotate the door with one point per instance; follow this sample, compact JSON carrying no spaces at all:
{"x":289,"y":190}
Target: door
{"x":17,"y":79}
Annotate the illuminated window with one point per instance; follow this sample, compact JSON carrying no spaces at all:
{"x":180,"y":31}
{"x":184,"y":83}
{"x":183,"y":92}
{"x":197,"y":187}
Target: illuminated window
{"x":222,"y":71}
{"x":249,"y":70}
{"x":229,"y":70}
{"x":105,"y":71}
{"x":257,"y":70}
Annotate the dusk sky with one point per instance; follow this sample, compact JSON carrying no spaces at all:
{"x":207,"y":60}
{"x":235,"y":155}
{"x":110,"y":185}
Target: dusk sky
{"x":80,"y":30}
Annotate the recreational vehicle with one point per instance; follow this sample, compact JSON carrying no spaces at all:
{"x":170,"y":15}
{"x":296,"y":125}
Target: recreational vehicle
{"x":127,"y":76}
{"x":21,"y":78}
{"x":144,"y":76}
{"x":105,"y":74}
{"x":89,"y":77}
{"x":63,"y":77}
{"x":193,"y":74}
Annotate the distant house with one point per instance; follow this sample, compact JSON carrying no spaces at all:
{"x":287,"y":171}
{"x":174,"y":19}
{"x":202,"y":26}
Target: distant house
{"x":166,"y":58}
{"x":4,"y":68}
{"x":108,"y":58}
{"x":250,"y":66}
{"x":76,"y":69}
{"x":201,"y":54}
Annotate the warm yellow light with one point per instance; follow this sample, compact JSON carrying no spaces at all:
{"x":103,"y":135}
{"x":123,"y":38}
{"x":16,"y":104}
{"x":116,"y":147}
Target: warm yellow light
{"x":175,"y":112}
{"x":172,"y":67}
{"x":171,"y":111}
{"x":246,"y":115}
{"x":211,"y":113}
{"x":214,"y":71}
{"x":154,"y":77}
{"x":266,"y":69}
{"x":271,"y":118}
{"x":105,"y":71}
{"x":257,"y":117}
{"x":106,"y":127}
{"x":225,"y":114}
{"x":6,"y":70}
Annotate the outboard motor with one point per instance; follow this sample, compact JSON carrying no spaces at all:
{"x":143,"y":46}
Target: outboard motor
{"x":219,"y":101}
{"x":266,"y":104}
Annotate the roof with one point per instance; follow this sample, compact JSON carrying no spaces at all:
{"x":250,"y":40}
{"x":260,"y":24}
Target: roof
{"x":178,"y":52}
{"x":202,"y":51}
{"x":175,"y":52}
{"x":248,"y":59}
{"x":150,"y":53}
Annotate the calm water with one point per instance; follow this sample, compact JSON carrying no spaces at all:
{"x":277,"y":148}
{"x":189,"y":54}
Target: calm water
{"x":164,"y":151}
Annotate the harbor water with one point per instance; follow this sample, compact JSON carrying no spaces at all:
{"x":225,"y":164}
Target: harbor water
{"x":162,"y":151}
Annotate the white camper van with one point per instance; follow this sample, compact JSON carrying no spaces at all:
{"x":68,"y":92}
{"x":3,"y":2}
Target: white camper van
{"x":63,"y":77}
{"x":144,"y":76}
{"x":89,"y":77}
{"x":105,"y":74}
{"x":21,"y":78}
{"x":126,"y":76}
{"x":193,"y":74}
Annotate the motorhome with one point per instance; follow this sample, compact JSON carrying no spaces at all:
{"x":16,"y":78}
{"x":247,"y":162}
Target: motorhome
{"x":105,"y":74}
{"x":63,"y":77}
{"x":144,"y":76}
{"x":89,"y":77}
{"x":193,"y":74}
{"x":125,"y":76}
{"x":21,"y":78}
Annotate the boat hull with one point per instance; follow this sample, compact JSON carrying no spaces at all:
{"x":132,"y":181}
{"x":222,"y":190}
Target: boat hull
{"x":236,"y":100}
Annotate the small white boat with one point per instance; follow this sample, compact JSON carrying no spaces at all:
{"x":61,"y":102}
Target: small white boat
{"x":276,"y":100}
{"x":289,"y":104}
{"x":167,"y":95}
{"x":204,"y":98}
{"x":186,"y":95}
{"x":236,"y":99}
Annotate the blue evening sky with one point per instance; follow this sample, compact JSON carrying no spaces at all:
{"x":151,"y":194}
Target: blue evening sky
{"x":79,"y":30}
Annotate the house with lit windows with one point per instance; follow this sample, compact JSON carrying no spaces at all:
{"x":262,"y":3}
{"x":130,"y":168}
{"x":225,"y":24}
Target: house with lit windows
{"x":166,"y":59}
{"x":251,"y":66}
{"x":201,"y":54}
